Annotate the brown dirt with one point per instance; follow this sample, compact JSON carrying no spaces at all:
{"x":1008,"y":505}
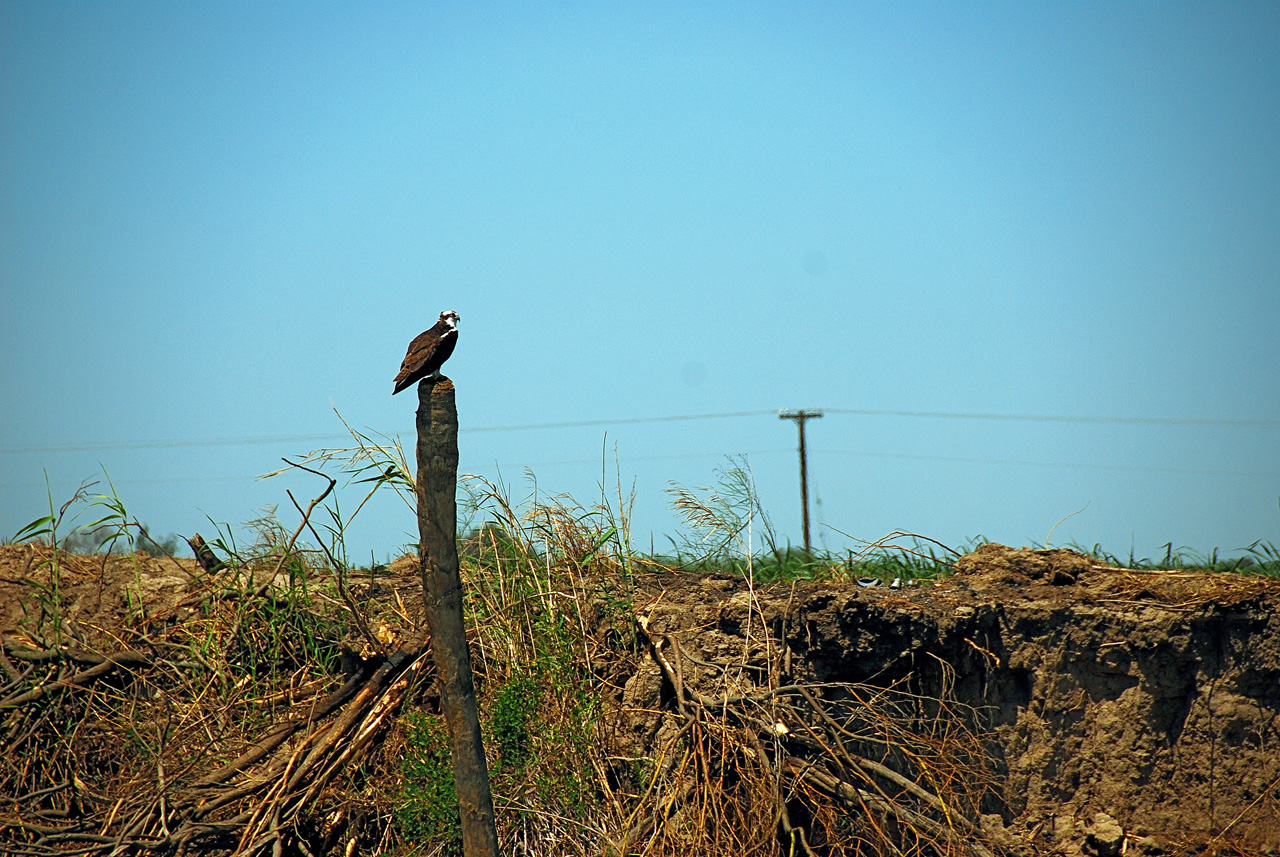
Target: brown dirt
{"x":1124,"y":712}
{"x":96,"y":594}
{"x":101,"y":596}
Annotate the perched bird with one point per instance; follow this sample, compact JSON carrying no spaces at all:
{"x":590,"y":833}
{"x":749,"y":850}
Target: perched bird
{"x":428,"y":351}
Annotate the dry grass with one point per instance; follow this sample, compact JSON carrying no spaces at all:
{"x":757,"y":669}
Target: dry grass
{"x":738,"y":764}
{"x":272,"y":709}
{"x":1184,"y":590}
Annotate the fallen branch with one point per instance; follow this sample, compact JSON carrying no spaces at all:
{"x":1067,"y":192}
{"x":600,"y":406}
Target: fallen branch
{"x":127,"y":659}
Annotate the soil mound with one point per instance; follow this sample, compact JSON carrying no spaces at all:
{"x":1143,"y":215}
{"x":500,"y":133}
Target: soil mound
{"x":996,"y":564}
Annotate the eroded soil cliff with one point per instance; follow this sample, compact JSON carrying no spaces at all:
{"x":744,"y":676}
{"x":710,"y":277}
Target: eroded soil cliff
{"x":1124,"y":712}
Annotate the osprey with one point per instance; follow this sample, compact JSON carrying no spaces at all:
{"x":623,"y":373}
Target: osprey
{"x":428,"y":351}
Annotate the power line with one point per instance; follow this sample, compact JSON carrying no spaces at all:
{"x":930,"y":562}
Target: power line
{"x":594,"y":462}
{"x":160,"y":480}
{"x":1061,"y":464}
{"x":1069,"y":465}
{"x":104,"y":446}
{"x":620,"y":422}
{"x":92,"y":446}
{"x":1052,"y":418}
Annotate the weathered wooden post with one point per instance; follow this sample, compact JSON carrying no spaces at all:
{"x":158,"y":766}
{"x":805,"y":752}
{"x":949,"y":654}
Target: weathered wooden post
{"x":438,"y":550}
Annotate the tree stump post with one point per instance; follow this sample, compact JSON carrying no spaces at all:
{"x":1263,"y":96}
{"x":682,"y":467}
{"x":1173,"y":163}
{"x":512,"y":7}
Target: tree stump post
{"x":437,"y":488}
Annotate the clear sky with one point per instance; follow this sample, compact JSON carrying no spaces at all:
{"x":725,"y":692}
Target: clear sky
{"x":220,"y":221}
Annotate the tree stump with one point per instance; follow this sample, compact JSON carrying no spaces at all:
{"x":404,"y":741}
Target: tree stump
{"x":205,"y":556}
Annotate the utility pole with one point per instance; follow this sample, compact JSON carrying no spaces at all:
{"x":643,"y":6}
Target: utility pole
{"x":800,"y":417}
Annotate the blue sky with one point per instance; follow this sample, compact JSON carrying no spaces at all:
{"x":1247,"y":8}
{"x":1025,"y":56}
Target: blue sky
{"x":222,"y":221}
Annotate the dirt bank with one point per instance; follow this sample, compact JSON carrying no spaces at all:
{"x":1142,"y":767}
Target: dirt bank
{"x":1125,"y":712}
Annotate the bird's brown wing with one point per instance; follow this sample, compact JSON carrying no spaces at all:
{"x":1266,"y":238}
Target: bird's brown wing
{"x":419,"y":358}
{"x":419,"y":350}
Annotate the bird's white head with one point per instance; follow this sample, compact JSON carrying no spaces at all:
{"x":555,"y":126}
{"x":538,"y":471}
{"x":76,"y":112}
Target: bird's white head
{"x":450,"y":318}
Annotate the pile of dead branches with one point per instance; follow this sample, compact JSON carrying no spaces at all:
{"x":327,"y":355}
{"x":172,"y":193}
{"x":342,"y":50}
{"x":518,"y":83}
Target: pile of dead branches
{"x":246,"y":806}
{"x":755,"y":766}
{"x":210,"y":724}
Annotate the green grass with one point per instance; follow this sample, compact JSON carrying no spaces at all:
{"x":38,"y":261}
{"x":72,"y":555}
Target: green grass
{"x":1261,"y":557}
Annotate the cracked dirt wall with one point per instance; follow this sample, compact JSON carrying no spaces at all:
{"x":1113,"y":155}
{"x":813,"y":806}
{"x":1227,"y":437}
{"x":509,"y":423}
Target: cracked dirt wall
{"x":1124,"y":711}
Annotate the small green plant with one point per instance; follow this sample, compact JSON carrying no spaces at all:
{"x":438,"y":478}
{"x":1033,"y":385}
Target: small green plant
{"x":904,"y":556}
{"x":285,"y":628}
{"x":426,"y":805}
{"x":45,"y":530}
{"x":514,"y":708}
{"x":282,"y":634}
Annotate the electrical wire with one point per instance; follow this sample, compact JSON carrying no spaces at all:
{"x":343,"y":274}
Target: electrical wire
{"x":1059,"y":464}
{"x":93,"y":446}
{"x":1051,"y":418}
{"x":1005,"y":462}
